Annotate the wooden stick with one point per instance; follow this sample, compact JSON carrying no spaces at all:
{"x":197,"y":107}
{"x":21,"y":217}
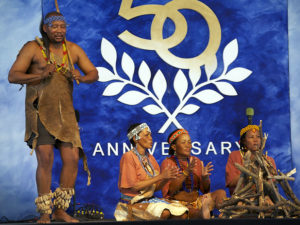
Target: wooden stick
{"x":268,"y":184}
{"x":285,"y":185}
{"x":261,"y":191}
{"x":254,"y":208}
{"x":233,"y":201}
{"x":292,"y":172}
{"x":242,"y":178}
{"x":239,"y":184}
{"x":281,"y":178}
{"x":262,"y":145}
{"x":68,"y":52}
{"x":254,"y":176}
{"x":245,"y":189}
{"x":39,"y":42}
{"x":293,"y":205}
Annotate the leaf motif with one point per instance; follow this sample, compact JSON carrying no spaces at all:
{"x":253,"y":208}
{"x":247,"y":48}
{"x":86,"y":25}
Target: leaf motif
{"x":108,"y":52}
{"x":180,"y":84}
{"x":132,"y":97}
{"x":189,"y":109}
{"x":237,"y":74}
{"x":226,"y":88}
{"x":113,"y":89}
{"x":159,"y":84}
{"x":230,"y":53}
{"x":195,"y":75}
{"x":105,"y":74}
{"x":152,"y":109}
{"x":211,"y":67}
{"x":208,"y":96}
{"x":144,"y":73}
{"x":128,"y":65}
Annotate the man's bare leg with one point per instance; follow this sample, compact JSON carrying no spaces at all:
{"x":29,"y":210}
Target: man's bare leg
{"x":44,"y":155}
{"x":70,"y":158}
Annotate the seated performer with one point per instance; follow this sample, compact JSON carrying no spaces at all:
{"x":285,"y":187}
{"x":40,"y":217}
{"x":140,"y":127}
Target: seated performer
{"x":140,"y":177}
{"x":249,"y":140}
{"x":194,"y":177}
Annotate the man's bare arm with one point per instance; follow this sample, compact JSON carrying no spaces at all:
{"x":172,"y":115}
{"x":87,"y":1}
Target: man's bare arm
{"x":18,"y":72}
{"x":85,"y":65}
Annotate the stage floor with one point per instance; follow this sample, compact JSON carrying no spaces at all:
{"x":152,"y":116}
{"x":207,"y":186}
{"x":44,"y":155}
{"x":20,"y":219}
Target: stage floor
{"x":184,"y":222}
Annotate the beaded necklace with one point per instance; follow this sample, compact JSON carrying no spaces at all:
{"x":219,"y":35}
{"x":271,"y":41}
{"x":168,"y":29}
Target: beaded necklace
{"x":59,"y":68}
{"x":191,"y":175}
{"x":145,"y":162}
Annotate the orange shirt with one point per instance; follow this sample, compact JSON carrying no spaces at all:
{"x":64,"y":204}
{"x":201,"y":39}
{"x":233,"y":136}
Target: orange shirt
{"x":197,"y":174}
{"x":232,"y":171}
{"x":132,"y":172}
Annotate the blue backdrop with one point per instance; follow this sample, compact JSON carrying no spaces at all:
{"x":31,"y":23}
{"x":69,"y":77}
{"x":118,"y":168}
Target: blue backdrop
{"x":196,"y":65}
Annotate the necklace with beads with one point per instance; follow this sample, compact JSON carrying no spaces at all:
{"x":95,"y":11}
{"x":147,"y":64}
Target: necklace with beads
{"x":145,"y":162}
{"x":62,"y":68}
{"x":191,"y":175}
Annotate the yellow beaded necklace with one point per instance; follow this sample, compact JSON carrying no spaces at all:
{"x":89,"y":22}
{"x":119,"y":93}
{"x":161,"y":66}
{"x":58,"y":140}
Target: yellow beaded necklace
{"x":59,"y":68}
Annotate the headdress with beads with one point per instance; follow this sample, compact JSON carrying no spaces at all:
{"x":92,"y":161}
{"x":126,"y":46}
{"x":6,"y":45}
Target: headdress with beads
{"x":137,"y":130}
{"x":176,"y":134}
{"x":250,"y":126}
{"x":48,"y":21}
{"x":247,"y":128}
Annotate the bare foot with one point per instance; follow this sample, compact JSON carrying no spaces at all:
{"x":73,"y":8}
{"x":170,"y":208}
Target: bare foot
{"x":205,"y":207}
{"x":62,"y":216}
{"x":44,"y":218}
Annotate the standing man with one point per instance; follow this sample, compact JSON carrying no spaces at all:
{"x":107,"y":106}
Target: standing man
{"x":45,"y":67}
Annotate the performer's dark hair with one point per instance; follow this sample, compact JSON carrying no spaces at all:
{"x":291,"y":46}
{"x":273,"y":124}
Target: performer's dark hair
{"x":242,"y":142}
{"x":131,"y":127}
{"x":45,"y":38}
{"x":171,"y":150}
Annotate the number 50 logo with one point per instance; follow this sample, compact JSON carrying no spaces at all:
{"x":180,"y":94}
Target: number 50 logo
{"x":161,"y":45}
{"x":222,"y":82}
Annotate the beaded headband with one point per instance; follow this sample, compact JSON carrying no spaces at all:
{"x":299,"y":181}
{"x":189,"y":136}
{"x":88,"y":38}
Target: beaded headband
{"x":50,"y":19}
{"x":137,"y":130}
{"x":177,"y":134}
{"x":247,"y":128}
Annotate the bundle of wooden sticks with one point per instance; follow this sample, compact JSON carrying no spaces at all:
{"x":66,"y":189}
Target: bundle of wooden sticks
{"x":257,"y":192}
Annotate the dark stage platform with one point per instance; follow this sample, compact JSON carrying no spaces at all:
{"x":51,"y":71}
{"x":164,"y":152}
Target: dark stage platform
{"x":183,"y":222}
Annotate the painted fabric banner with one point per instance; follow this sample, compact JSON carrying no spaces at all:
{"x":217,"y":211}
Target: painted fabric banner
{"x":181,"y":63}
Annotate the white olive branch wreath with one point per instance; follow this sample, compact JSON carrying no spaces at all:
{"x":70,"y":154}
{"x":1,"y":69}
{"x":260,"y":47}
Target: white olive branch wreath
{"x":159,"y":83}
